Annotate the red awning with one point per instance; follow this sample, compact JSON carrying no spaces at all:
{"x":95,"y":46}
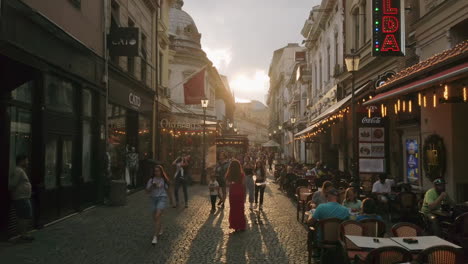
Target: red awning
{"x":420,"y":84}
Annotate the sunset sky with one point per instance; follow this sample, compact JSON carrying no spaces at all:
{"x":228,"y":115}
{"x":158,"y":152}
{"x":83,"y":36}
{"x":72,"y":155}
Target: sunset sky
{"x":240,"y":37}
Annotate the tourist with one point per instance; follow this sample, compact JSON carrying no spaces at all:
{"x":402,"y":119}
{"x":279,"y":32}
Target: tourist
{"x":434,"y":200}
{"x":157,"y":188}
{"x":213,"y":187}
{"x":236,"y":179}
{"x":260,"y":183}
{"x":368,"y":210}
{"x":351,"y":201}
{"x":319,"y":196}
{"x":249,"y":182}
{"x":221,"y":169}
{"x":180,"y":180}
{"x":382,"y":188}
{"x":20,"y":188}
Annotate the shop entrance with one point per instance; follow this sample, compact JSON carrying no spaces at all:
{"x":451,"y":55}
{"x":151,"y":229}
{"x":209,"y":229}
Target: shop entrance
{"x":59,"y":183}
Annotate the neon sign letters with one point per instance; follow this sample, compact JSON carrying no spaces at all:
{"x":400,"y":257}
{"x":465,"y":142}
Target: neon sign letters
{"x":388,"y":27}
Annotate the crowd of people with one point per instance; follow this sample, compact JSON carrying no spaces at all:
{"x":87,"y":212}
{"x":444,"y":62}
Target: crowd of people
{"x":245,"y":176}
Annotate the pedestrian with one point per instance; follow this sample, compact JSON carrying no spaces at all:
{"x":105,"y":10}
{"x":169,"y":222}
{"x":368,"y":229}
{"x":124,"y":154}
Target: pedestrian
{"x":249,"y":182}
{"x":270,"y":161}
{"x":221,"y":169}
{"x":236,"y":179}
{"x":180,"y":180}
{"x":260,"y":183}
{"x":20,"y":188}
{"x":157,"y":188}
{"x":213,"y":186}
{"x":188,"y":169}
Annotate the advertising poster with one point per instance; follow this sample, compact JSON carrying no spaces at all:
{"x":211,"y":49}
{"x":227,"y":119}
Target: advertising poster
{"x":412,"y":161}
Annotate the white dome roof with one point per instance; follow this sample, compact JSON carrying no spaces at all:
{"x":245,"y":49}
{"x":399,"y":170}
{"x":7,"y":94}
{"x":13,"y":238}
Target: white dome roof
{"x":182,"y":28}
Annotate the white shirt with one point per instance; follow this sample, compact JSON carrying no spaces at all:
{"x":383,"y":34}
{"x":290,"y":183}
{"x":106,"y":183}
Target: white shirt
{"x":213,"y":187}
{"x":378,"y":187}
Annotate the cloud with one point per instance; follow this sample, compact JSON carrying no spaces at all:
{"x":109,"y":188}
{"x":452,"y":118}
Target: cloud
{"x":221,"y":58}
{"x":253,"y":86}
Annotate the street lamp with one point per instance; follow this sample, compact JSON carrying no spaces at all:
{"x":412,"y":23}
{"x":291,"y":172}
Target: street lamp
{"x":352,"y":64}
{"x":204,"y":104}
{"x":280,"y":127}
{"x":230,"y":124}
{"x":293,"y":120}
{"x":235,"y":130}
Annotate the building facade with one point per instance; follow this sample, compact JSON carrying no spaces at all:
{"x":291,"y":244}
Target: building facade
{"x":251,"y":119}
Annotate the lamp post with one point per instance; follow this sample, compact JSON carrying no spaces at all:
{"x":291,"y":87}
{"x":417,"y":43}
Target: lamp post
{"x":293,"y":121}
{"x":204,"y":104}
{"x":352,"y":64}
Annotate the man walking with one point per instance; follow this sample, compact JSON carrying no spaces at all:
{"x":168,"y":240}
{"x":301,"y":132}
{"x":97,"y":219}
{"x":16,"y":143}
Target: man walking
{"x":20,"y":189}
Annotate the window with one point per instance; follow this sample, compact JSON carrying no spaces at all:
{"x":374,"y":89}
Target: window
{"x":328,"y":63}
{"x":336,"y":50}
{"x":143,"y":59}
{"x":86,"y":157}
{"x":160,"y":68}
{"x":115,"y":23}
{"x":20,"y":134}
{"x":87,"y":103}
{"x":23,"y":93}
{"x":364,"y":22}
{"x":357,"y":32}
{"x":131,"y":60}
{"x":59,"y":95}
{"x":320,"y":76}
{"x":76,"y":3}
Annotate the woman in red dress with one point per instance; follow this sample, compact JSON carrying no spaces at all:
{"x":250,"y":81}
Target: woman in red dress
{"x":236,"y":179}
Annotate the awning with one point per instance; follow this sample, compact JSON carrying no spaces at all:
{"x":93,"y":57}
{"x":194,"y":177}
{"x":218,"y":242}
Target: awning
{"x":270,"y":144}
{"x":331,"y":110}
{"x":420,"y":84}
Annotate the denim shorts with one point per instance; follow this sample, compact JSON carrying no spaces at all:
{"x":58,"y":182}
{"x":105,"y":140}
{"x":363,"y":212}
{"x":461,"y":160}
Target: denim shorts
{"x":23,"y":208}
{"x":158,"y":203}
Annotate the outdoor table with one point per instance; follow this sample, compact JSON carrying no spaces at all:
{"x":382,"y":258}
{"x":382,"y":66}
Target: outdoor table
{"x":369,"y":243}
{"x":423,"y":242}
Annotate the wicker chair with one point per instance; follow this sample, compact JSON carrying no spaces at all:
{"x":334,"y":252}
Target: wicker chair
{"x":329,"y":231}
{"x":351,"y":228}
{"x":373,"y":227}
{"x":441,"y":254}
{"x":386,"y":255}
{"x":303,"y":196}
{"x":405,"y":229}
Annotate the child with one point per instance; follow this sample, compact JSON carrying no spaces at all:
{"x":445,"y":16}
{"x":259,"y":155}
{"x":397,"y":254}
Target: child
{"x":214,"y":191}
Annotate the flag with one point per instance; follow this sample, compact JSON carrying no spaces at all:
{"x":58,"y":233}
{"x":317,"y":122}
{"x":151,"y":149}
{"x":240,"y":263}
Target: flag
{"x":194,"y":88}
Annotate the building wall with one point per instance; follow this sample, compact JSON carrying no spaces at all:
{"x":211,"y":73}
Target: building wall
{"x":85,"y":23}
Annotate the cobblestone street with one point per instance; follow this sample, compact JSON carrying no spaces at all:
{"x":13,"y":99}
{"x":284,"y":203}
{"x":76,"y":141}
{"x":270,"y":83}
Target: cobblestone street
{"x":193,"y":235}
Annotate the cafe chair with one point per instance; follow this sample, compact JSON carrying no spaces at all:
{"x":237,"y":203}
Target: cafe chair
{"x":350,"y":228}
{"x":441,"y":254}
{"x":423,"y":222}
{"x":385,"y":255}
{"x":329,"y":233}
{"x":405,"y":229}
{"x":459,"y":232}
{"x":407,"y":205}
{"x":373,"y":227}
{"x":303,"y":196}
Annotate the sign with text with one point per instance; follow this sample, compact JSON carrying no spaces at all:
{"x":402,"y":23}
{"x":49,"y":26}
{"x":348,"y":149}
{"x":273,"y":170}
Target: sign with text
{"x":371,"y":144}
{"x":388,"y":27}
{"x":123,"y":41}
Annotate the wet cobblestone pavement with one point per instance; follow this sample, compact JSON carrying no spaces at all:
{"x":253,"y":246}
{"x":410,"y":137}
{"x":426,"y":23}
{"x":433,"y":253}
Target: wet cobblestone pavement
{"x":193,"y":235}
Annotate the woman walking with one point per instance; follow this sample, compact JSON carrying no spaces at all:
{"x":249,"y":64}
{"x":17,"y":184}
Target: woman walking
{"x":221,"y":169}
{"x":235,"y":178}
{"x":260,"y":182}
{"x":157,"y":189}
{"x":249,"y":182}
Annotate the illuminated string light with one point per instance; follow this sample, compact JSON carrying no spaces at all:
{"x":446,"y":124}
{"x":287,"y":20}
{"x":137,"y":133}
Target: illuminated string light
{"x":385,"y":111}
{"x":464,"y":94}
{"x":434,"y":100}
{"x":399,"y":105}
{"x":404,"y":106}
{"x":419,"y":99}
{"x":396,"y":109}
{"x":425,"y":101}
{"x":446,"y":93}
{"x":382,"y":108}
{"x":369,"y":112}
{"x":410,"y":106}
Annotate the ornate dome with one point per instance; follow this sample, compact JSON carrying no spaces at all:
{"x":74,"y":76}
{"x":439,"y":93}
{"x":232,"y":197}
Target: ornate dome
{"x":182,"y":28}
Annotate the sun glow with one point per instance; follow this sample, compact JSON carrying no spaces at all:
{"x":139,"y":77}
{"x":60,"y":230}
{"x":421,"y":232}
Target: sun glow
{"x":221,"y":58}
{"x":250,"y":87}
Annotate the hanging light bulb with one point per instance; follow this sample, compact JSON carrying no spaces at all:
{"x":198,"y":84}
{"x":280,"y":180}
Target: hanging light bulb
{"x":399,"y":105}
{"x":410,"y":106}
{"x":425,"y":101}
{"x":434,"y":100}
{"x":382,"y":108}
{"x":396,"y":109}
{"x":464,"y":94}
{"x":369,"y":112}
{"x":419,"y":99}
{"x":404,"y":106}
{"x":446,"y":94}
{"x":385,"y":111}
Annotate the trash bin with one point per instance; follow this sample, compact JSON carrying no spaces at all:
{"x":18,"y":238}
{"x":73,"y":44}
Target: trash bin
{"x":118,"y":193}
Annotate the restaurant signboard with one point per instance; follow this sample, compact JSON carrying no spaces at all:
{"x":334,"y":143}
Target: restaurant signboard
{"x":371,"y":150}
{"x":388,"y":28}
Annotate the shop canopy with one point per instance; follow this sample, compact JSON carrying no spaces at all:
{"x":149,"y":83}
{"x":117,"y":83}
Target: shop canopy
{"x":330,"y":111}
{"x":421,"y":84}
{"x":271,"y":144}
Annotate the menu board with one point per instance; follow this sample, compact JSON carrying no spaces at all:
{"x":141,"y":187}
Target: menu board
{"x":371,"y":147}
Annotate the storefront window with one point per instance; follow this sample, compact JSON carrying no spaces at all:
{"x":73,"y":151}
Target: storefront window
{"x":86,"y":154}
{"x":144,"y":136}
{"x":59,"y":95}
{"x":50,"y":179}
{"x":87,"y":103}
{"x":20,"y":134}
{"x":117,"y":139}
{"x":23,"y":93}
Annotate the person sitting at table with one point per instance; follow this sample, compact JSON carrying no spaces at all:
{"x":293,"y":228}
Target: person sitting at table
{"x":382,"y":188}
{"x":351,"y":201}
{"x":330,"y":209}
{"x":319,"y":196}
{"x":433,"y":201}
{"x":368,"y":210}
